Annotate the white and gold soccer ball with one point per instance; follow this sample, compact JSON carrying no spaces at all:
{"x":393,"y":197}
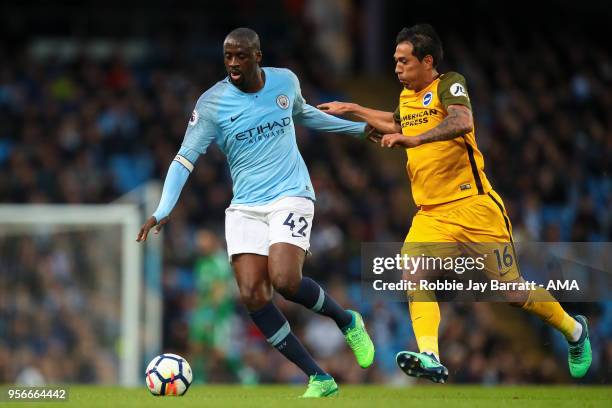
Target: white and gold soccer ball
{"x":168,"y":374}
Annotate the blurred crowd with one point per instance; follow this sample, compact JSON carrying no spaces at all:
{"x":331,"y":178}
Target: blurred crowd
{"x":88,"y":131}
{"x":59,"y":305}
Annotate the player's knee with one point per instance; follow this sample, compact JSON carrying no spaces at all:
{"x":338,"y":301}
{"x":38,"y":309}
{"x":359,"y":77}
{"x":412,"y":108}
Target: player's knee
{"x":286,"y":285}
{"x":255,"y":296}
{"x":516,"y":298}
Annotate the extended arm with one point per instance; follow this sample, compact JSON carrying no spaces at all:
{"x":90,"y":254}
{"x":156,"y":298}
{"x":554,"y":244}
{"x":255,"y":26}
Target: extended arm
{"x":200,"y":133}
{"x":315,"y":119}
{"x":381,"y":120}
{"x":178,"y":172}
{"x":458,"y":122}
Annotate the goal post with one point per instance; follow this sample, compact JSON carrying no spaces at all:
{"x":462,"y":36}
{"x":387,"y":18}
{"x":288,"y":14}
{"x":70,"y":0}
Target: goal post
{"x":146,"y":196}
{"x":47,"y":219}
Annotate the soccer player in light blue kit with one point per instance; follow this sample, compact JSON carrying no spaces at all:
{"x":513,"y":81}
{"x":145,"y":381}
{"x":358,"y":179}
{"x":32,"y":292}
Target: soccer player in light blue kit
{"x":251,"y":115}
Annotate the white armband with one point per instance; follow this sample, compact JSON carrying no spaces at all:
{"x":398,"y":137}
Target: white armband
{"x":186,"y":163}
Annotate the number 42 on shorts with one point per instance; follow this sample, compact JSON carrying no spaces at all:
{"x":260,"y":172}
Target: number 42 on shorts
{"x":302,"y":224}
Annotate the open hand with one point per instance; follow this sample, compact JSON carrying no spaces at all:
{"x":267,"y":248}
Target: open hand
{"x":146,"y":227}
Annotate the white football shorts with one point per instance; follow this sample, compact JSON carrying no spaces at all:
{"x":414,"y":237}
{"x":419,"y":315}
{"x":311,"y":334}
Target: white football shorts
{"x":252,"y":229}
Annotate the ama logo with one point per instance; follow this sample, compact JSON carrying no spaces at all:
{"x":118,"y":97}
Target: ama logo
{"x":427,"y":98}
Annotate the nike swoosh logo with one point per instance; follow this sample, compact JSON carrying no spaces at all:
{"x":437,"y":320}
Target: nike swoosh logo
{"x":233,"y":118}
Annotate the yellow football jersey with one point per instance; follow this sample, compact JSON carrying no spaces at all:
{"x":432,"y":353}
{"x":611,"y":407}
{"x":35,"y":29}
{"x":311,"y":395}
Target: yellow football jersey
{"x":444,"y":171}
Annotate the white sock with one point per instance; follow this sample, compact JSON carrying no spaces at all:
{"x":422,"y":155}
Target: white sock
{"x":577,"y":332}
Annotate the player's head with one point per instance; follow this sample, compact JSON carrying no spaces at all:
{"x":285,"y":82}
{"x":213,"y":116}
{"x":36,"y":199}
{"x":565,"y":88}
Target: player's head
{"x":242,"y":55}
{"x":418,"y":52}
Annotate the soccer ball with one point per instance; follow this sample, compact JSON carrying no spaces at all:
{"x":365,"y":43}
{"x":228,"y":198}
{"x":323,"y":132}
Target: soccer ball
{"x":168,"y":374}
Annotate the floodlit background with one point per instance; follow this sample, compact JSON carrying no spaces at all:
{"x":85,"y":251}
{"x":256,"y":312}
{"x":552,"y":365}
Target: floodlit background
{"x":94,"y":101}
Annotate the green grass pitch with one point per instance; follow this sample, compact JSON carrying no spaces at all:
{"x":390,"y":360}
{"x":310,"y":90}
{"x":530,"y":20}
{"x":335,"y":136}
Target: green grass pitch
{"x":350,"y":396}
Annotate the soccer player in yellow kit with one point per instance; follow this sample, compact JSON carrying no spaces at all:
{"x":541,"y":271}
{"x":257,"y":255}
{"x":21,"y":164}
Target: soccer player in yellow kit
{"x":456,"y":203}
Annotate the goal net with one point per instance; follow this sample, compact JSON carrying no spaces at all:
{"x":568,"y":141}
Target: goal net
{"x":70,"y":294}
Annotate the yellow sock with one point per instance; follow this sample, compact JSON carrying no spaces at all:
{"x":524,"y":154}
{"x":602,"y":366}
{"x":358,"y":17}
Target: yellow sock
{"x":425,"y":315}
{"x":542,"y":304}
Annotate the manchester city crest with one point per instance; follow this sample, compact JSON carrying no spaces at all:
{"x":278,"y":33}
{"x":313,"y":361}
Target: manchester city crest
{"x":282,"y":101}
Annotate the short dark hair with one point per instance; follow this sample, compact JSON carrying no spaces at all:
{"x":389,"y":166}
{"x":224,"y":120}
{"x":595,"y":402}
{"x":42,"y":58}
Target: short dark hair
{"x":424,"y":40}
{"x":245,"y":36}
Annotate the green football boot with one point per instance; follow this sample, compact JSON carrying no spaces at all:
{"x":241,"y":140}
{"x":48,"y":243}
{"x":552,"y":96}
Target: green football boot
{"x":422,"y":365}
{"x":320,"y":387}
{"x":579,"y":352}
{"x":359,"y":341}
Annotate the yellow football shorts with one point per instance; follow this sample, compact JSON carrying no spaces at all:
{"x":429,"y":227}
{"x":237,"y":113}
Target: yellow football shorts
{"x":476,"y":226}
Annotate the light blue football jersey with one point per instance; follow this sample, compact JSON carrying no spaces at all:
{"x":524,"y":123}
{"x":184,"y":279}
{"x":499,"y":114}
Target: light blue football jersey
{"x":256,"y":132}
